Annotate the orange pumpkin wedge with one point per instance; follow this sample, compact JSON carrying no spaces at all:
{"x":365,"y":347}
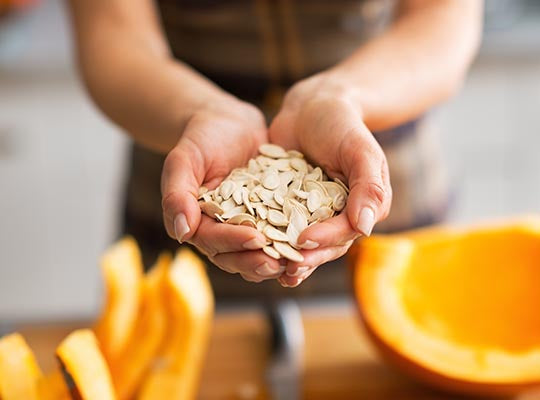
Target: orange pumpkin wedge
{"x":53,"y":387}
{"x":19,"y":371}
{"x":122,"y":270}
{"x":147,"y":335}
{"x":85,"y":370}
{"x":190,"y":302}
{"x":457,"y":308}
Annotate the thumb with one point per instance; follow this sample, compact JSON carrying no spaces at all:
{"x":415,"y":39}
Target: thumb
{"x":370,"y":194}
{"x":183,"y":173}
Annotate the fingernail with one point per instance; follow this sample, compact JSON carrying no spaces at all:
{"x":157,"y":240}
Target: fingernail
{"x":366,"y":220}
{"x":309,"y":245}
{"x":181,"y":227}
{"x":266,"y":270}
{"x":283,"y":283}
{"x":254,"y":244}
{"x":299,"y":271}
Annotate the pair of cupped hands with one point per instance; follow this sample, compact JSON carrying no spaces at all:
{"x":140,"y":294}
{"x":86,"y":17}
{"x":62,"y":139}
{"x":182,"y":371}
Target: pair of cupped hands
{"x":319,"y":118}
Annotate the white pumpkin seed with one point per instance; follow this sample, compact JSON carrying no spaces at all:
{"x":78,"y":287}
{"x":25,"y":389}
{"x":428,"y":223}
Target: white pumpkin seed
{"x":237,"y":195}
{"x":202,"y":190}
{"x":288,"y":252}
{"x":245,"y":200}
{"x":275,"y":234}
{"x":299,"y":164}
{"x":226,"y":189}
{"x":210,"y":208}
{"x":322,"y":214}
{"x":270,"y":180}
{"x":314,"y":200}
{"x":273,"y":150}
{"x":261,"y":210}
{"x":278,"y":197}
{"x":234,"y":211}
{"x":295,"y":154}
{"x":277,"y":218}
{"x":228,"y":205}
{"x":272,"y":252}
{"x":243,"y":219}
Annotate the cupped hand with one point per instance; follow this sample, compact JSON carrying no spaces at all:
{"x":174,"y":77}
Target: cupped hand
{"x":219,"y":137}
{"x":321,"y":118}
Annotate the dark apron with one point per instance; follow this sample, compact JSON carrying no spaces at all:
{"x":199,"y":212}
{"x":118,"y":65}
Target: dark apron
{"x":256,"y":50}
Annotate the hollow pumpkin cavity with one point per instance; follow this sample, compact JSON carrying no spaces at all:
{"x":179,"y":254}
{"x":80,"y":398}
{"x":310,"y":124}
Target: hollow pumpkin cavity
{"x":481,"y":290}
{"x":458,"y":308}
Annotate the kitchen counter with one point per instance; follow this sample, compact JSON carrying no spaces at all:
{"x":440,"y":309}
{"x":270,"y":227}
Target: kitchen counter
{"x":340,"y":363}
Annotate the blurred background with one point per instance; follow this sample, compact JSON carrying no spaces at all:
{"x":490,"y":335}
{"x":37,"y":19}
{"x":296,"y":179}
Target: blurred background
{"x":62,"y":163}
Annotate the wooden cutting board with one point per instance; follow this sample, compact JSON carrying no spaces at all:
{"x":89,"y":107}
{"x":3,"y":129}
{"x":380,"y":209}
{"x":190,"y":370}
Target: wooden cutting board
{"x":340,"y":362}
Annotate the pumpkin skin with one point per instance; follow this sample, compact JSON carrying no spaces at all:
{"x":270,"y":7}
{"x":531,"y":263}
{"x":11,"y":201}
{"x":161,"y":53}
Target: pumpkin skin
{"x":455,"y":308}
{"x":85,"y":371}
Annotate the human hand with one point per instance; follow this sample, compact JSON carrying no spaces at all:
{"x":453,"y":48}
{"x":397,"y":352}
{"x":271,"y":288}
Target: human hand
{"x":219,"y":137}
{"x":321,"y":118}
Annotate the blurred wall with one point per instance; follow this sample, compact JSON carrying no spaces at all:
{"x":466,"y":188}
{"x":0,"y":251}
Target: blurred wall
{"x":61,"y":162}
{"x":60,"y":168}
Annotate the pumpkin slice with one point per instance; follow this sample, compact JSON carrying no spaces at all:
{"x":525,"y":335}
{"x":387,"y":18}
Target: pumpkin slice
{"x":85,"y":370}
{"x":122,"y":270}
{"x":190,"y":302}
{"x":456,"y":308}
{"x":19,"y":371}
{"x":53,"y":387}
{"x":147,"y":335}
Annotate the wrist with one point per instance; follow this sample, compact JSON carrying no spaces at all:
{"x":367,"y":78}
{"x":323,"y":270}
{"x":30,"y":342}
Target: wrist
{"x":327,"y":86}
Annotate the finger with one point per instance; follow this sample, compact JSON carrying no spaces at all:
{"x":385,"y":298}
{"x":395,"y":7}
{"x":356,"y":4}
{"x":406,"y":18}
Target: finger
{"x":335,"y":231}
{"x":254,"y":266}
{"x":370,"y":196}
{"x":213,"y":237}
{"x":183,"y":173}
{"x":295,"y":273}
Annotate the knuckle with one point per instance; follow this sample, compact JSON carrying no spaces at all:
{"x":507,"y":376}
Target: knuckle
{"x":169,"y":202}
{"x":376,"y":192}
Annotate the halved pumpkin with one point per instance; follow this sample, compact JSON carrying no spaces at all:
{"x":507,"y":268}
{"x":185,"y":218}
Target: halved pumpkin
{"x":148,"y":334}
{"x":456,"y":308}
{"x":85,"y":370}
{"x":19,"y":371}
{"x":190,"y":306}
{"x":122,"y":270}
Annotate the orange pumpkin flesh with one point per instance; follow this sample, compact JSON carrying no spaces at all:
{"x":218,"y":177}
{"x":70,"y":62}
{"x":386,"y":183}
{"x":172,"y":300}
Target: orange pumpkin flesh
{"x":148,"y":334}
{"x":190,"y":303}
{"x":122,"y":270}
{"x":19,"y":371}
{"x":458,"y":309}
{"x":85,"y":370}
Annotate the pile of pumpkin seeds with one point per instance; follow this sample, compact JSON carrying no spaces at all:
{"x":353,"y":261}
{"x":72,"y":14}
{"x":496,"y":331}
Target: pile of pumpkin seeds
{"x":280,"y":194}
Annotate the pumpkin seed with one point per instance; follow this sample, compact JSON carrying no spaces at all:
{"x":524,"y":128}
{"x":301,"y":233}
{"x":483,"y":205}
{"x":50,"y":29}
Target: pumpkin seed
{"x":280,"y":194}
{"x":272,"y":252}
{"x":275,"y":234}
{"x":273,"y":151}
{"x":243,"y":219}
{"x":288,"y":252}
{"x":210,"y":208}
{"x":277,"y":218}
